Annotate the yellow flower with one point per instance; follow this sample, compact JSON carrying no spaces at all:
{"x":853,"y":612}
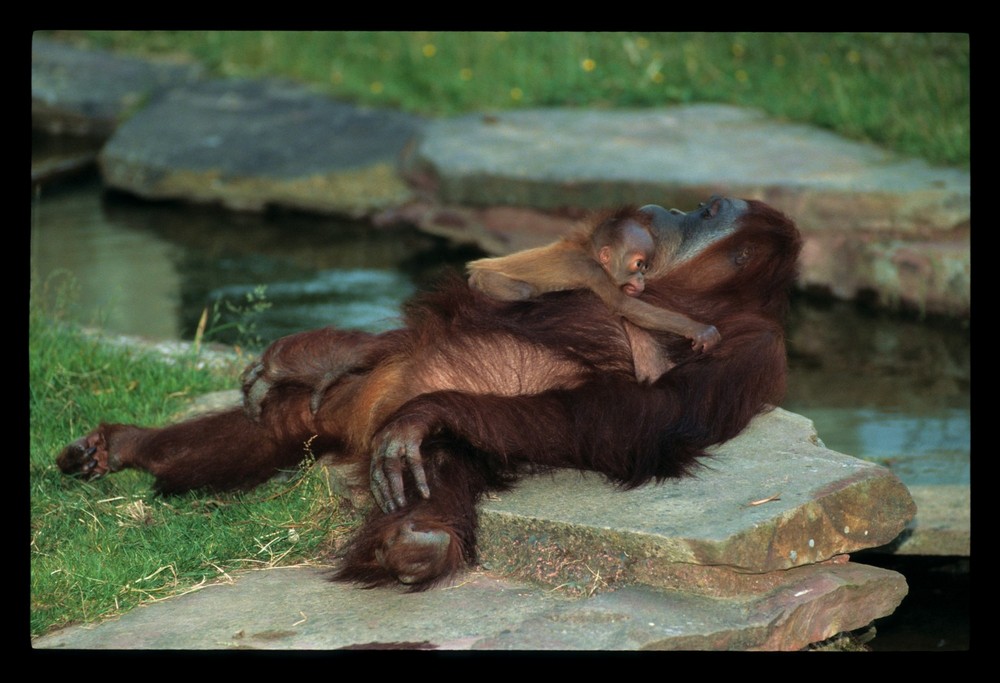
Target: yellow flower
{"x":376,"y":87}
{"x":516,"y":94}
{"x":429,"y":50}
{"x":588,"y":64}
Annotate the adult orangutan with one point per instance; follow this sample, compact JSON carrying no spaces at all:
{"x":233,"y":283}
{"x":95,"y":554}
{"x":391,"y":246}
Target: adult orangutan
{"x":474,"y":390}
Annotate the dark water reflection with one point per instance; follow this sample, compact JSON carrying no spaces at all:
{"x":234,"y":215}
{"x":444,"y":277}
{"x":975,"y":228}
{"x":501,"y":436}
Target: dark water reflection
{"x":889,"y":390}
{"x":877,"y":387}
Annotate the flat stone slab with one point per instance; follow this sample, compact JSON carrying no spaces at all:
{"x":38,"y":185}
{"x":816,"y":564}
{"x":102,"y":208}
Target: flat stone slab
{"x":872,"y":221}
{"x":88,"y":92}
{"x":771,"y":499}
{"x":248,"y":145}
{"x":298,"y":609}
{"x":552,"y":158}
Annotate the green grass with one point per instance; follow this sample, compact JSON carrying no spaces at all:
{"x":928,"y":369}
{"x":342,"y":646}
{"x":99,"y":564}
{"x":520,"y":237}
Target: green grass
{"x":908,"y":92}
{"x":100,"y":548}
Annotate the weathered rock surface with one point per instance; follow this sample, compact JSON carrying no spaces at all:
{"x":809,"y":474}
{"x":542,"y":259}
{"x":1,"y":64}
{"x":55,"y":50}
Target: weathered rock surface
{"x":249,"y":145}
{"x":872,"y":221}
{"x":297,"y":608}
{"x":552,"y":158}
{"x":771,"y":499}
{"x":89,"y":92}
{"x":811,"y":604}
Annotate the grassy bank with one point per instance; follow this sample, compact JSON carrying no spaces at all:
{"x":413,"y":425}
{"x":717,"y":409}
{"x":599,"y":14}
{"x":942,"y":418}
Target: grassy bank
{"x":909,"y":92}
{"x":99,"y":548}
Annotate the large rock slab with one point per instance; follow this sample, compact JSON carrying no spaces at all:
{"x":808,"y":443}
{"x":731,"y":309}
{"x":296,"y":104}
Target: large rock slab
{"x":552,"y":158}
{"x":769,"y":500}
{"x":810,"y":605}
{"x":297,"y":608}
{"x":89,"y":92}
{"x":250,"y":145}
{"x":872,"y":221}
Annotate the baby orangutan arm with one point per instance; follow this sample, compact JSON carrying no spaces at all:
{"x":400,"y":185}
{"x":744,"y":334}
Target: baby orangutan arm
{"x":649,"y":317}
{"x":703,"y":337}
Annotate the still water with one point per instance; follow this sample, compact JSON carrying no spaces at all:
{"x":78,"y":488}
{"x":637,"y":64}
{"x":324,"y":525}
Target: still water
{"x":877,"y":387}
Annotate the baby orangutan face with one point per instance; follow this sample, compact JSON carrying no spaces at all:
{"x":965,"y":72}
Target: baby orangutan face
{"x":627,"y":261}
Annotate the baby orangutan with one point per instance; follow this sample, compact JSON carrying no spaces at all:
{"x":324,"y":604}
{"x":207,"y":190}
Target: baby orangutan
{"x":611,"y":259}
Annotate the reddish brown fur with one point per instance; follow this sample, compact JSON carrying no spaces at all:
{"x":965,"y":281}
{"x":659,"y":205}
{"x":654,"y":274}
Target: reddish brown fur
{"x":489,"y":387}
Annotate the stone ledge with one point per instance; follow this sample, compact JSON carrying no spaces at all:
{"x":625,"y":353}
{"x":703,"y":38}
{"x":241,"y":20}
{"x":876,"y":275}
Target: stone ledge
{"x":250,"y":145}
{"x":89,"y":92}
{"x":704,"y":533}
{"x":307,"y":612}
